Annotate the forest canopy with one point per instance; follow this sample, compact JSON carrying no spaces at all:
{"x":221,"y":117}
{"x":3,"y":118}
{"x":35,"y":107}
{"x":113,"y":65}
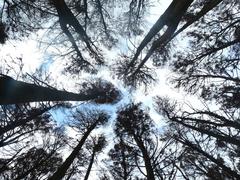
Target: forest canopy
{"x":119,"y":89}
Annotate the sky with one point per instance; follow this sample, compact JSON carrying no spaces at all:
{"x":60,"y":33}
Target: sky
{"x":34,"y":57}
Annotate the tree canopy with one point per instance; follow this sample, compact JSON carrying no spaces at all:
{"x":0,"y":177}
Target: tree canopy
{"x":93,"y":107}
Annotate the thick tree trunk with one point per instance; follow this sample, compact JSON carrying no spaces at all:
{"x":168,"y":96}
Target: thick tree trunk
{"x":172,"y":15}
{"x":13,"y":92}
{"x":146,"y":158}
{"x":171,"y":18}
{"x":66,"y":17}
{"x":206,"y":8}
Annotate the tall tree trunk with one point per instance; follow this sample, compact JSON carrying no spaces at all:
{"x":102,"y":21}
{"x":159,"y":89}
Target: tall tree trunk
{"x":172,"y":20}
{"x":124,"y":164}
{"x":66,"y":17}
{"x":206,"y":8}
{"x":61,"y":171}
{"x":146,"y":158}
{"x":172,"y":15}
{"x":13,"y":92}
{"x":226,"y":138}
{"x":90,"y":165}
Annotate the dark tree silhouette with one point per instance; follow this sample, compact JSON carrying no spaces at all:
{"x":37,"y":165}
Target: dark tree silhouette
{"x":123,"y":159}
{"x":14,"y":92}
{"x":33,"y":162}
{"x":67,"y":20}
{"x":36,"y":163}
{"x":19,"y":122}
{"x":134,"y":123}
{"x":212,"y":135}
{"x":198,"y":40}
{"x":21,"y":117}
{"x":211,"y":65}
{"x":98,"y":144}
{"x":87,"y":122}
{"x":171,"y":17}
{"x":137,"y":73}
{"x":3,"y":34}
{"x":20,"y":18}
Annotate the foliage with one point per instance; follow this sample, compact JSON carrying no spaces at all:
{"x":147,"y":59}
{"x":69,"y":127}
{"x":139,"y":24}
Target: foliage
{"x":197,"y":40}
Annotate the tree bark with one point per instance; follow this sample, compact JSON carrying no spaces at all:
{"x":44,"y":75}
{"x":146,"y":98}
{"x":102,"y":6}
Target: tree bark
{"x":61,"y":171}
{"x":90,"y":165}
{"x":170,"y":17}
{"x":146,"y":158}
{"x":14,"y":92}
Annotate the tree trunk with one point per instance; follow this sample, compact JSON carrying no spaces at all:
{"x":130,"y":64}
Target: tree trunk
{"x":66,"y":17}
{"x":206,"y":8}
{"x":225,"y":138}
{"x":146,"y":158}
{"x":61,"y":171}
{"x":90,"y":165}
{"x":124,"y":165}
{"x":13,"y":92}
{"x":172,"y":15}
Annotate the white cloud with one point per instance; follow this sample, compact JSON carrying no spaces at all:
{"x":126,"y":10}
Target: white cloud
{"x":27,"y":51}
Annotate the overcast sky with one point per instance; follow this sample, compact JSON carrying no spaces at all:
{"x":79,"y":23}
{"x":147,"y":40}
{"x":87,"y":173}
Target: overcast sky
{"x":35,"y":57}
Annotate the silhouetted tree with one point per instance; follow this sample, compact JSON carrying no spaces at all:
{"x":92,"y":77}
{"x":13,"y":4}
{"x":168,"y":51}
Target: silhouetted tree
{"x":209,"y":69}
{"x":210,"y":135}
{"x":20,"y":18}
{"x":33,"y":162}
{"x":86,"y":122}
{"x":19,"y":122}
{"x":122,"y":160}
{"x":134,"y":72}
{"x":96,"y":146}
{"x":135,"y":124}
{"x":13,"y":92}
{"x":22,"y":117}
{"x":196,"y":142}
